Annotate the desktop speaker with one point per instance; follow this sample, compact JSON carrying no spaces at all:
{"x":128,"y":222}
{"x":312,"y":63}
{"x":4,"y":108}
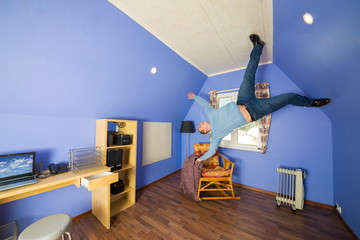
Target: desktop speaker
{"x":114,"y":158}
{"x":110,"y":138}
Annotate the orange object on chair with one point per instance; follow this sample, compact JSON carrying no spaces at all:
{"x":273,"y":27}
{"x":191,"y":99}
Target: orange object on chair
{"x":214,"y":177}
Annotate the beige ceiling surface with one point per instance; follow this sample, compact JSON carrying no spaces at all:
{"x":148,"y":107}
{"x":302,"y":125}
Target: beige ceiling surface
{"x":212,"y":35}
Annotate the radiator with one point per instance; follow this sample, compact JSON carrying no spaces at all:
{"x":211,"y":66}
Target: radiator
{"x":290,"y":188}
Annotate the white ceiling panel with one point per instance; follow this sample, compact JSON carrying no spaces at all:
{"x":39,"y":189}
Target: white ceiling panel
{"x":212,"y":35}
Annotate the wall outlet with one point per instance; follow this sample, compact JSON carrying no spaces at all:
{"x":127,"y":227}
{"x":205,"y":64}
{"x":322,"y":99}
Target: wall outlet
{"x":338,"y":208}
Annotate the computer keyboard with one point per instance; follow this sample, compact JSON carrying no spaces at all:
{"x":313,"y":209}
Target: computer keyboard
{"x":16,"y":180}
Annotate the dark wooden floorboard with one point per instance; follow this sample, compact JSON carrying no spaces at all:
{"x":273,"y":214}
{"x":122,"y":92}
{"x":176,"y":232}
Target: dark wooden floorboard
{"x":163,"y":212}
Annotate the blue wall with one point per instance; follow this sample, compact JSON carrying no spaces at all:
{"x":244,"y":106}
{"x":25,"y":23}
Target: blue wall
{"x":323,"y":60}
{"x":346,"y":171}
{"x":299,"y":137}
{"x":64,"y":64}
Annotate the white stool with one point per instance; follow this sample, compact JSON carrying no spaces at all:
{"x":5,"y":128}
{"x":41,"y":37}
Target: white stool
{"x":48,"y":228}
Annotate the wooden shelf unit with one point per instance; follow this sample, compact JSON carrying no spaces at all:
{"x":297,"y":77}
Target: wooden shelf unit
{"x":127,"y":173}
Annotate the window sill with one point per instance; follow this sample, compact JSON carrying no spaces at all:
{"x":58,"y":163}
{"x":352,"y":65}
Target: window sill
{"x":242,"y":147}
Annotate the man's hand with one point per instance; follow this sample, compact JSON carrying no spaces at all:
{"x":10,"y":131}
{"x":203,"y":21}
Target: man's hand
{"x":198,"y":160}
{"x":190,"y":95}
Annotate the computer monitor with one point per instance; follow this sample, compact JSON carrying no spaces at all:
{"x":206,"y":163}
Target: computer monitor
{"x":17,"y":165}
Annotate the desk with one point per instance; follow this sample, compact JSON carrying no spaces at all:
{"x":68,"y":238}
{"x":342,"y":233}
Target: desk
{"x":96,"y":179}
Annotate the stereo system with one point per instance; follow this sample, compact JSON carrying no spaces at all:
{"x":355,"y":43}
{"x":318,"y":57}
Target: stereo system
{"x":122,"y":139}
{"x":118,"y":139}
{"x":114,"y":158}
{"x":117,"y":187}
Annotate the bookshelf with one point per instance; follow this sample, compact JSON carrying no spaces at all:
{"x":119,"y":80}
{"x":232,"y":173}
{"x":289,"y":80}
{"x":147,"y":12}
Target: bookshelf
{"x":127,"y":198}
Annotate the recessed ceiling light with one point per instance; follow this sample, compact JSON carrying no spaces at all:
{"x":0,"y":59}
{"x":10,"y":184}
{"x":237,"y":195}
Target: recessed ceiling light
{"x":153,"y":70}
{"x":308,"y":18}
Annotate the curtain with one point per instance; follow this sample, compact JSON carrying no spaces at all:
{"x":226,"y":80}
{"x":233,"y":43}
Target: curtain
{"x":213,"y":99}
{"x":262,"y":90}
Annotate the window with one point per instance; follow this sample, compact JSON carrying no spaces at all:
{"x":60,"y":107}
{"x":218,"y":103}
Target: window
{"x":246,"y":137}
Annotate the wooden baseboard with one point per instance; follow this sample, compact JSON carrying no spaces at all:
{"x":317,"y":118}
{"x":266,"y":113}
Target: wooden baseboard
{"x":254,"y":189}
{"x":150,"y":184}
{"x":307,"y":202}
{"x":84,"y":214}
{"x":321,"y":205}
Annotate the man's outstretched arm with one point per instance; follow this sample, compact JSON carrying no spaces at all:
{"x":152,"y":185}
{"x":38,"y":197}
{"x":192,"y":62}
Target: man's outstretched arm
{"x":202,"y":102}
{"x":214,"y":145}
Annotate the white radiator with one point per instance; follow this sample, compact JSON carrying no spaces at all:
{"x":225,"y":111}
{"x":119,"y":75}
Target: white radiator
{"x":290,"y":188}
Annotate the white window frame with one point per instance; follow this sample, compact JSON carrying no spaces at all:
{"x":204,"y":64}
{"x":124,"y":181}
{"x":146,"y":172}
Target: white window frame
{"x":233,"y":143}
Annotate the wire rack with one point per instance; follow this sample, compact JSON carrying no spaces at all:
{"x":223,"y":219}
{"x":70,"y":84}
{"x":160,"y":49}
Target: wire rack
{"x":83,"y":158}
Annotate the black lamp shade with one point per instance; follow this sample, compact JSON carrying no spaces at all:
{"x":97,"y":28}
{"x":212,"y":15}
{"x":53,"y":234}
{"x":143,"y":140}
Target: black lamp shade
{"x":187,"y":127}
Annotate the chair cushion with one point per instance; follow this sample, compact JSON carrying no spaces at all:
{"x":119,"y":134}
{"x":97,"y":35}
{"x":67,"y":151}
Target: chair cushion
{"x":200,"y":149}
{"x":216,"y":172}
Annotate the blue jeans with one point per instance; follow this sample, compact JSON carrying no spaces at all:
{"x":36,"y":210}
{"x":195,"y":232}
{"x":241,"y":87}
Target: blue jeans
{"x":261,"y":107}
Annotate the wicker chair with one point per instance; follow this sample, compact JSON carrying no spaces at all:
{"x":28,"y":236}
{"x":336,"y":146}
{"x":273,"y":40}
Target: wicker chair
{"x":215,"y":178}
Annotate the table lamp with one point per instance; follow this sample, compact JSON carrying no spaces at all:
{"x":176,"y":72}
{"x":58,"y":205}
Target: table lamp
{"x":187,"y":127}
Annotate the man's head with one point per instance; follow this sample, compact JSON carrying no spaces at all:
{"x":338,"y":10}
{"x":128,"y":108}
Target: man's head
{"x":204,"y":127}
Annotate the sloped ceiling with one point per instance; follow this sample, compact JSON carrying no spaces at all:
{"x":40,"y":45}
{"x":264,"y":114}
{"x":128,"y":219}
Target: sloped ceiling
{"x":212,"y":35}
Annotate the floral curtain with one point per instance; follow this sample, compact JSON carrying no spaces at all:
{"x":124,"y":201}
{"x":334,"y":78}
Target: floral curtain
{"x":213,"y":99}
{"x":262,"y":90}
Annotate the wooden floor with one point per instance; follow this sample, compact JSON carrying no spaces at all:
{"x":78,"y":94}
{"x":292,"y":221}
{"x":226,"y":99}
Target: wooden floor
{"x":162,"y":211}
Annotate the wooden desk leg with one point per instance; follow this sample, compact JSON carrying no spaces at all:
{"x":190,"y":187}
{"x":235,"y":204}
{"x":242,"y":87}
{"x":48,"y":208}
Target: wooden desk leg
{"x":101,"y":204}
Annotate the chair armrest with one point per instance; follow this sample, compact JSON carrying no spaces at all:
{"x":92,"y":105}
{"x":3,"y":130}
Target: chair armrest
{"x":227,"y":163}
